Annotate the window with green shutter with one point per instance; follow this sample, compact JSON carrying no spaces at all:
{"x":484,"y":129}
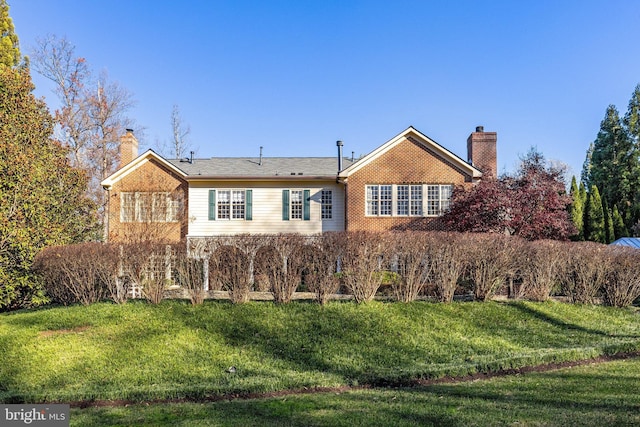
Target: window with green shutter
{"x":249,"y":205}
{"x":212,"y":205}
{"x":285,"y":205}
{"x":306,"y":209}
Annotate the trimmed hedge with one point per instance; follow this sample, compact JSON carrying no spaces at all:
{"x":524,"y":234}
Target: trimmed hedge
{"x":423,"y":265}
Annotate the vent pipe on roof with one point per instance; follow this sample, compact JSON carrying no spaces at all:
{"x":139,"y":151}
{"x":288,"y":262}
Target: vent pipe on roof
{"x":260,"y":162}
{"x":353,"y":153}
{"x":339,"y":145}
{"x":191,"y":158}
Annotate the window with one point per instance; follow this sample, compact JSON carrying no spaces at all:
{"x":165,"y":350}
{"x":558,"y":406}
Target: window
{"x":438,"y":199}
{"x":296,"y":205}
{"x":407,"y":199}
{"x":230,"y":204}
{"x":127,"y":207}
{"x":379,"y":200}
{"x":326,"y":202}
{"x":148,"y":207}
{"x":415,"y":198}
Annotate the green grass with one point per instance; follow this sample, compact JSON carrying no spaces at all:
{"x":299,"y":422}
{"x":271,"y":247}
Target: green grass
{"x":602,"y":394}
{"x":140,"y":352}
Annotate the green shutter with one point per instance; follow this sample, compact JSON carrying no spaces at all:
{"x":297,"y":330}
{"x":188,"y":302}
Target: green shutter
{"x":248,"y":213}
{"x":212,"y":205}
{"x":306,"y":208}
{"x":285,"y":205}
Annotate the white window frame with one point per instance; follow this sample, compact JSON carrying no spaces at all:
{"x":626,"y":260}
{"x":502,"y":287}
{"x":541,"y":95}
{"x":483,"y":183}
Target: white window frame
{"x":379,"y":200}
{"x":296,"y":204}
{"x":148,"y":206}
{"x":407,"y":200}
{"x":326,"y":204}
{"x":438,"y":199}
{"x":234,"y":202}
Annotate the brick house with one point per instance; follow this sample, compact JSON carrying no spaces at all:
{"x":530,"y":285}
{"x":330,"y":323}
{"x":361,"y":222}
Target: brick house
{"x":404,"y":184}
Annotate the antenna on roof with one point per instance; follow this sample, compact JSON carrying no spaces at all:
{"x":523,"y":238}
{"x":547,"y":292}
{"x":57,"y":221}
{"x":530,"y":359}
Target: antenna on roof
{"x":260,"y":162}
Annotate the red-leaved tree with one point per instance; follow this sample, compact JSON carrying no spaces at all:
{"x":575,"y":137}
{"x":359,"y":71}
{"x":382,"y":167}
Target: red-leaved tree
{"x":531,"y":204}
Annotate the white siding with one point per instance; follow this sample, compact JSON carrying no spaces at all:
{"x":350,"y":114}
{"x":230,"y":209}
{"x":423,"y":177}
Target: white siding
{"x":267,"y":209}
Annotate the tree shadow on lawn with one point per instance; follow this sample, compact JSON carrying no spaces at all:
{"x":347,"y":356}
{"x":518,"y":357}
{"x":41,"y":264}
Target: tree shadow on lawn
{"x":340,"y":346}
{"x":557,"y":392}
{"x":561,"y":324}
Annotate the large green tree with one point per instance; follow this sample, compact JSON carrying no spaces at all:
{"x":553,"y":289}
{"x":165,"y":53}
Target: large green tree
{"x":612,"y":168}
{"x":613,"y":161}
{"x":42,"y":198}
{"x":632,"y":118}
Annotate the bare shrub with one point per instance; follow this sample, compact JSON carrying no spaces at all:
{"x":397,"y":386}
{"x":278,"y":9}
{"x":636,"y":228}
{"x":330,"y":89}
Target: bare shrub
{"x":231,"y":266}
{"x":542,"y":269}
{"x":106,"y":261}
{"x":491,"y":261}
{"x":282,"y":263}
{"x":622,"y":286}
{"x":76,"y":273}
{"x":410,"y":260}
{"x":588,"y":264}
{"x":47,"y":267}
{"x":321,"y":261}
{"x":361,"y":263}
{"x":148,"y":265}
{"x":447,"y":253}
{"x":189,"y":274}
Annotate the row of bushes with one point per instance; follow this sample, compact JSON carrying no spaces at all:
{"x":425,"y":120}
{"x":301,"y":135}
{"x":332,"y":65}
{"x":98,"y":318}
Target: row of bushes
{"x":411,"y":264}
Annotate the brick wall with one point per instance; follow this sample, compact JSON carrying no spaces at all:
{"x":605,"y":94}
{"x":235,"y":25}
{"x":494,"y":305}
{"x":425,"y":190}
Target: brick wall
{"x":408,"y":162}
{"x":150,"y":176}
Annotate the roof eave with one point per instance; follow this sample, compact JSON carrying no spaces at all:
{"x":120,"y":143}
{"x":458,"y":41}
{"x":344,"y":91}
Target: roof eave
{"x":108,"y":182}
{"x":261,"y":178}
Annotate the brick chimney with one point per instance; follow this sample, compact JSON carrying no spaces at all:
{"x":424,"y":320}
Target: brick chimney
{"x":482,"y":151}
{"x":128,"y":147}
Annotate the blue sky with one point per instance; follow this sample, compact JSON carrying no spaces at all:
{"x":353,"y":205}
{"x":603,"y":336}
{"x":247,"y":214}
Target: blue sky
{"x":295,"y":76}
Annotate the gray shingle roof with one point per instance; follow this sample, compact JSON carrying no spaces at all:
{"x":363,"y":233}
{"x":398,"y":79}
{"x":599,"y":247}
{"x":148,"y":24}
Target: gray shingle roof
{"x":251,"y":167}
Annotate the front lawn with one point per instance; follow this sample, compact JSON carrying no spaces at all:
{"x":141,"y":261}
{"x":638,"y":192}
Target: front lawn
{"x":600,"y":394}
{"x":141,"y":352}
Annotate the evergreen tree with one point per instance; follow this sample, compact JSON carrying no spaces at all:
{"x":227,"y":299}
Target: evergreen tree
{"x":608,"y":224}
{"x":612,"y":161}
{"x":576,"y":209}
{"x":632,"y":117}
{"x":631,"y":123}
{"x":585,"y":175}
{"x":42,"y":198}
{"x":619,"y":228}
{"x":9,"y":47}
{"x":594,"y":217}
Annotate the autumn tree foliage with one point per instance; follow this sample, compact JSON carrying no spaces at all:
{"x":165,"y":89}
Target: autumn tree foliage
{"x":91,"y":116}
{"x":531,"y":204}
